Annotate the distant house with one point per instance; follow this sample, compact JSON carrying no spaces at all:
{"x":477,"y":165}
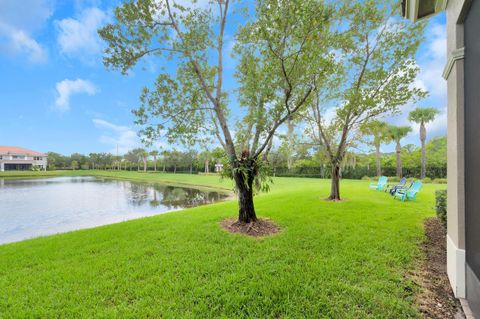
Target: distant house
{"x":218,"y":168}
{"x":14,"y":158}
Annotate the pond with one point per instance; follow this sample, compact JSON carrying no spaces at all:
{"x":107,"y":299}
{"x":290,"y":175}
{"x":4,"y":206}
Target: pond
{"x":38,"y":207}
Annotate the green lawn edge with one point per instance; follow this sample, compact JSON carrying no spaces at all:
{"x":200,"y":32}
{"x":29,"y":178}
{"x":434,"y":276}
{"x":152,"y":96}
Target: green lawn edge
{"x":331,"y":260}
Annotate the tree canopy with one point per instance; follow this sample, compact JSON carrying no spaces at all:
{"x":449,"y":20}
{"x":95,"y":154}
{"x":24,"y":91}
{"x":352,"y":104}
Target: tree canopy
{"x":423,"y":115}
{"x":375,"y":76}
{"x":283,"y":55}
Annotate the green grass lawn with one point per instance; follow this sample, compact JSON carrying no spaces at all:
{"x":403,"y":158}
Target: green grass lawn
{"x":331,"y":260}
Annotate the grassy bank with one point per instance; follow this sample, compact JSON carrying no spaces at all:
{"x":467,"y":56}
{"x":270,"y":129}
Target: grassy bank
{"x":331,"y":260}
{"x":211,"y":181}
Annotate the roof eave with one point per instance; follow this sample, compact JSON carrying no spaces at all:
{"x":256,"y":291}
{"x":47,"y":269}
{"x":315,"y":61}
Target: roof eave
{"x":410,"y":9}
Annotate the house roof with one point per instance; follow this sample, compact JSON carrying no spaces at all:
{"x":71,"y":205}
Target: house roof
{"x":15,"y":150}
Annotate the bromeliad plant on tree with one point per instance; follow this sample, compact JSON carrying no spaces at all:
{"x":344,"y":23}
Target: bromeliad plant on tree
{"x":283,"y":52}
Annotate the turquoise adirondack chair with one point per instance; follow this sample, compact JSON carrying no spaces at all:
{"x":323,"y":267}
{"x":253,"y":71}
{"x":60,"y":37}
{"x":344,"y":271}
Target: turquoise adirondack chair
{"x":380,"y":185}
{"x":409,"y":193}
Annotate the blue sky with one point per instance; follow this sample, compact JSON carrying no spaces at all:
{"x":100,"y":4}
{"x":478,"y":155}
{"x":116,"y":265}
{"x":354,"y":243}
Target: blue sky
{"x":55,"y":94}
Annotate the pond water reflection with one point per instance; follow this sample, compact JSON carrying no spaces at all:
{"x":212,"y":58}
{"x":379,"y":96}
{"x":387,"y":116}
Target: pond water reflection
{"x":37,"y":207}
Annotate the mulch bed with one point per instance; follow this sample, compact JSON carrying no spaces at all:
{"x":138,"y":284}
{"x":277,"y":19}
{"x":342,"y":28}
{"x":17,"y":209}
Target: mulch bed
{"x":259,"y":228}
{"x":436,"y":299}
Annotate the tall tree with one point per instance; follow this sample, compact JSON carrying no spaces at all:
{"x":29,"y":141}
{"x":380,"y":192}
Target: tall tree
{"x":379,"y":131}
{"x":290,"y":141}
{"x":173,"y":158}
{"x":164,"y":159}
{"x":376,"y":71}
{"x":190,"y":157}
{"x":397,"y":133}
{"x":94,"y":160}
{"x":74,"y":165}
{"x":144,"y":156}
{"x":131,"y":157}
{"x":79,"y":158}
{"x":422,"y":116}
{"x":56,"y":161}
{"x":136,"y":156}
{"x":154,"y":154}
{"x":206,"y":157}
{"x":282,"y":53}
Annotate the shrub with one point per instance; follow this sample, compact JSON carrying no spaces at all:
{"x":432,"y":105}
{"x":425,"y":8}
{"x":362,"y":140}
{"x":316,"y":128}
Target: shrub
{"x":393,"y":179}
{"x":427,"y":180}
{"x":440,"y":181}
{"x":365,"y":178}
{"x":441,"y":205}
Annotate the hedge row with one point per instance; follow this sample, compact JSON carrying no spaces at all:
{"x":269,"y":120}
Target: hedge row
{"x":433,"y":172}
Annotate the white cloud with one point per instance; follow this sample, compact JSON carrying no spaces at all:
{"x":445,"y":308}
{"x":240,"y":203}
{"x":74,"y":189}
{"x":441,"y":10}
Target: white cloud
{"x":79,"y":37}
{"x":18,"y":42}
{"x":119,"y":136}
{"x":18,"y":21}
{"x":438,"y":126}
{"x":66,"y":88}
{"x":329,"y":114}
{"x":432,"y":61}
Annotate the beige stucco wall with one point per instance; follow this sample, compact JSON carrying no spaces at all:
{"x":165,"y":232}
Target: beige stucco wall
{"x":456,"y":148}
{"x":456,"y":189}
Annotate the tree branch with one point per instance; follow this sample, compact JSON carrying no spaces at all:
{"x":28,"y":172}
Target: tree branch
{"x":229,"y":146}
{"x":281,"y":121}
{"x":217,"y":131}
{"x":318,"y":120}
{"x":138,"y":56}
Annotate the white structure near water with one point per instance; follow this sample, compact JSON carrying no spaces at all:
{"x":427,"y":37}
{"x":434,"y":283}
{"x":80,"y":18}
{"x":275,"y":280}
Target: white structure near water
{"x":13,"y":158}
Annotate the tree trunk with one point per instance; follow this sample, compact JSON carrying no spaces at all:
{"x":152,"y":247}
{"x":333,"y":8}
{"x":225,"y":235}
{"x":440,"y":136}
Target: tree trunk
{"x":145,"y":164}
{"x":377,"y":154}
{"x":423,"y":171}
{"x":290,"y":129}
{"x":335,"y":186}
{"x":398,"y":149}
{"x":175,"y":169}
{"x":207,"y":169}
{"x":244,"y":184}
{"x":155,"y":163}
{"x":423,"y":137}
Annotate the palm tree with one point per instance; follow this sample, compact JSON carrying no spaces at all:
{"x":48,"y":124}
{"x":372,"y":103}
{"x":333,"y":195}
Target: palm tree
{"x":144,"y":155}
{"x":379,"y":131}
{"x":396,"y":133}
{"x":206,"y":157}
{"x":164,"y":159}
{"x":138,"y":155}
{"x":423,"y":116}
{"x":154,"y":153}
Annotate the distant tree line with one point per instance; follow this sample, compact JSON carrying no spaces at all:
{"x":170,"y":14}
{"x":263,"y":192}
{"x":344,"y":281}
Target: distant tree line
{"x":302,"y":159}
{"x":140,"y":159}
{"x":292,"y":158}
